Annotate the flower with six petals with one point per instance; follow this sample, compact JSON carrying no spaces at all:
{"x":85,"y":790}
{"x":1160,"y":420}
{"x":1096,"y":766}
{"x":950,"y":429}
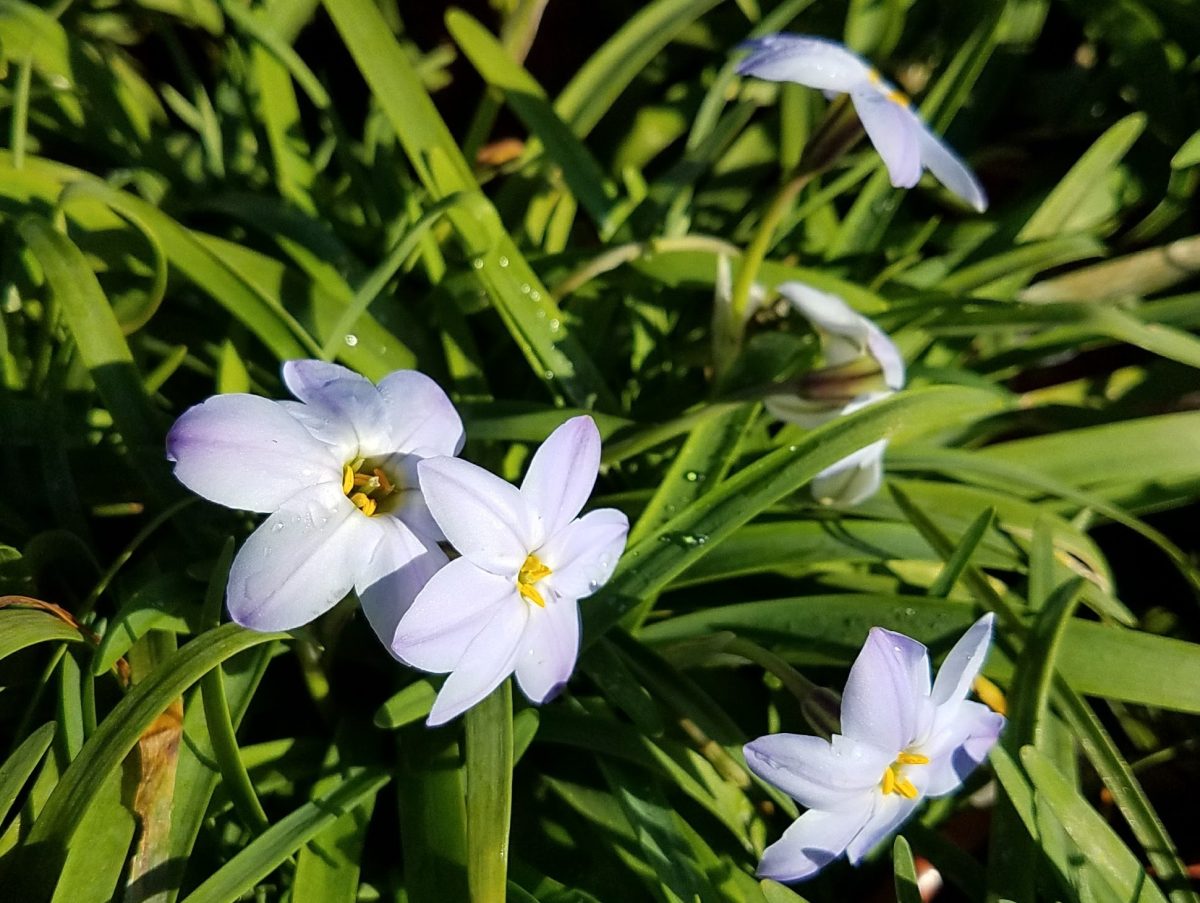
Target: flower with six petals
{"x":509,"y":604}
{"x":336,"y":472}
{"x":902,"y":139}
{"x":902,"y":740}
{"x":862,"y":365}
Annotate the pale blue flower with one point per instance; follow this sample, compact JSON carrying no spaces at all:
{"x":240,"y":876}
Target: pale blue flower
{"x":336,"y":473}
{"x":862,"y":366}
{"x":902,"y":740}
{"x":902,"y":139}
{"x":510,"y":603}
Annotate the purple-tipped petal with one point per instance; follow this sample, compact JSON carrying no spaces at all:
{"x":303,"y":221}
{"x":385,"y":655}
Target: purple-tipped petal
{"x":396,"y":572}
{"x":486,"y":519}
{"x":961,"y":742}
{"x":243,"y":451}
{"x":894,"y":130}
{"x":950,"y":170}
{"x":336,"y":397}
{"x":853,"y":479}
{"x":582,"y":556}
{"x":816,"y":773}
{"x":562,"y":473}
{"x":815,"y":62}
{"x":489,"y":659}
{"x":300,"y":561}
{"x":886,"y":691}
{"x":420,"y":415}
{"x":963,"y":663}
{"x":450,"y":612}
{"x":549,"y":648}
{"x":814,"y":840}
{"x":890,"y":812}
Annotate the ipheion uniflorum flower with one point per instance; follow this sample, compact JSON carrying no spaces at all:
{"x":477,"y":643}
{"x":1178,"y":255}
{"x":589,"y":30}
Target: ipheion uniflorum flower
{"x":510,"y":603}
{"x":902,"y":740}
{"x":904,"y":142}
{"x":336,"y":473}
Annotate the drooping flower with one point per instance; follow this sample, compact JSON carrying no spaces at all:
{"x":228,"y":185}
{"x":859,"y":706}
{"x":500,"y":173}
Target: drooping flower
{"x":902,"y":740}
{"x":336,"y":472}
{"x":862,"y":365}
{"x":902,"y":139}
{"x":510,"y":603}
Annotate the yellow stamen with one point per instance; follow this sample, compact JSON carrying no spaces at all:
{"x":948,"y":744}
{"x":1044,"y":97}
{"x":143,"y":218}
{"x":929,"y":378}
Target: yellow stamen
{"x":893,"y":780}
{"x":384,"y":483}
{"x":992,"y":695}
{"x":894,"y":95}
{"x":531,"y":572}
{"x":365,"y":490}
{"x":889,"y":780}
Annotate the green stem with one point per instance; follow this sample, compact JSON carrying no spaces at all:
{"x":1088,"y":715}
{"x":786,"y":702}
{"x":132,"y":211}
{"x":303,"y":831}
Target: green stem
{"x":489,"y":794}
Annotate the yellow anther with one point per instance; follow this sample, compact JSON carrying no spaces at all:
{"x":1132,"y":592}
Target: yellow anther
{"x":889,"y":780}
{"x":893,"y":780}
{"x":895,"y":96}
{"x":361,"y":479}
{"x":347,"y":479}
{"x":531,"y":572}
{"x":992,"y":695}
{"x":384,"y":483}
{"x":364,"y":503}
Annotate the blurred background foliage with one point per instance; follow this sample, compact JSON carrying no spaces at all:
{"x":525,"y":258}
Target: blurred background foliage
{"x":527,"y":201}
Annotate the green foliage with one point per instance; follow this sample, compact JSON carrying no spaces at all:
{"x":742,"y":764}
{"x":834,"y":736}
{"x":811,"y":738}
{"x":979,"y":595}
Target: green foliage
{"x":193,"y":192}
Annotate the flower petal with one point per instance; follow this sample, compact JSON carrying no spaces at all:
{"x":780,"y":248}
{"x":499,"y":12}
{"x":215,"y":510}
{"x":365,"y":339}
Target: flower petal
{"x":886,"y":691}
{"x":834,"y":318}
{"x":583,"y":556}
{"x":961,"y":743}
{"x":562,"y":473}
{"x":485,"y":518}
{"x":549,"y":648}
{"x":816,"y":773}
{"x":894,"y":130}
{"x":300,"y":561}
{"x":853,"y":479}
{"x":949,"y":169}
{"x":243,"y":451}
{"x":396,"y":572}
{"x":451,"y":610}
{"x":408,"y":502}
{"x":339,"y":396}
{"x":891,"y":810}
{"x":420,"y":415}
{"x":963,"y":662}
{"x":813,"y":841}
{"x":810,"y":61}
{"x":489,"y":659}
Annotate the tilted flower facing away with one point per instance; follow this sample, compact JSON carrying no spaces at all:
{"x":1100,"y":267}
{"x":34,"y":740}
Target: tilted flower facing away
{"x":510,"y":602}
{"x":901,"y":740}
{"x":337,"y":473}
{"x":902,"y":139}
{"x":862,"y":365}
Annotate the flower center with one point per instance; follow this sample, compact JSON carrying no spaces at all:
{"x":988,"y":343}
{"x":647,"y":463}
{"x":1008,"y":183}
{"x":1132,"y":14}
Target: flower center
{"x":531,"y":572}
{"x":366,"y":486}
{"x":894,"y":780}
